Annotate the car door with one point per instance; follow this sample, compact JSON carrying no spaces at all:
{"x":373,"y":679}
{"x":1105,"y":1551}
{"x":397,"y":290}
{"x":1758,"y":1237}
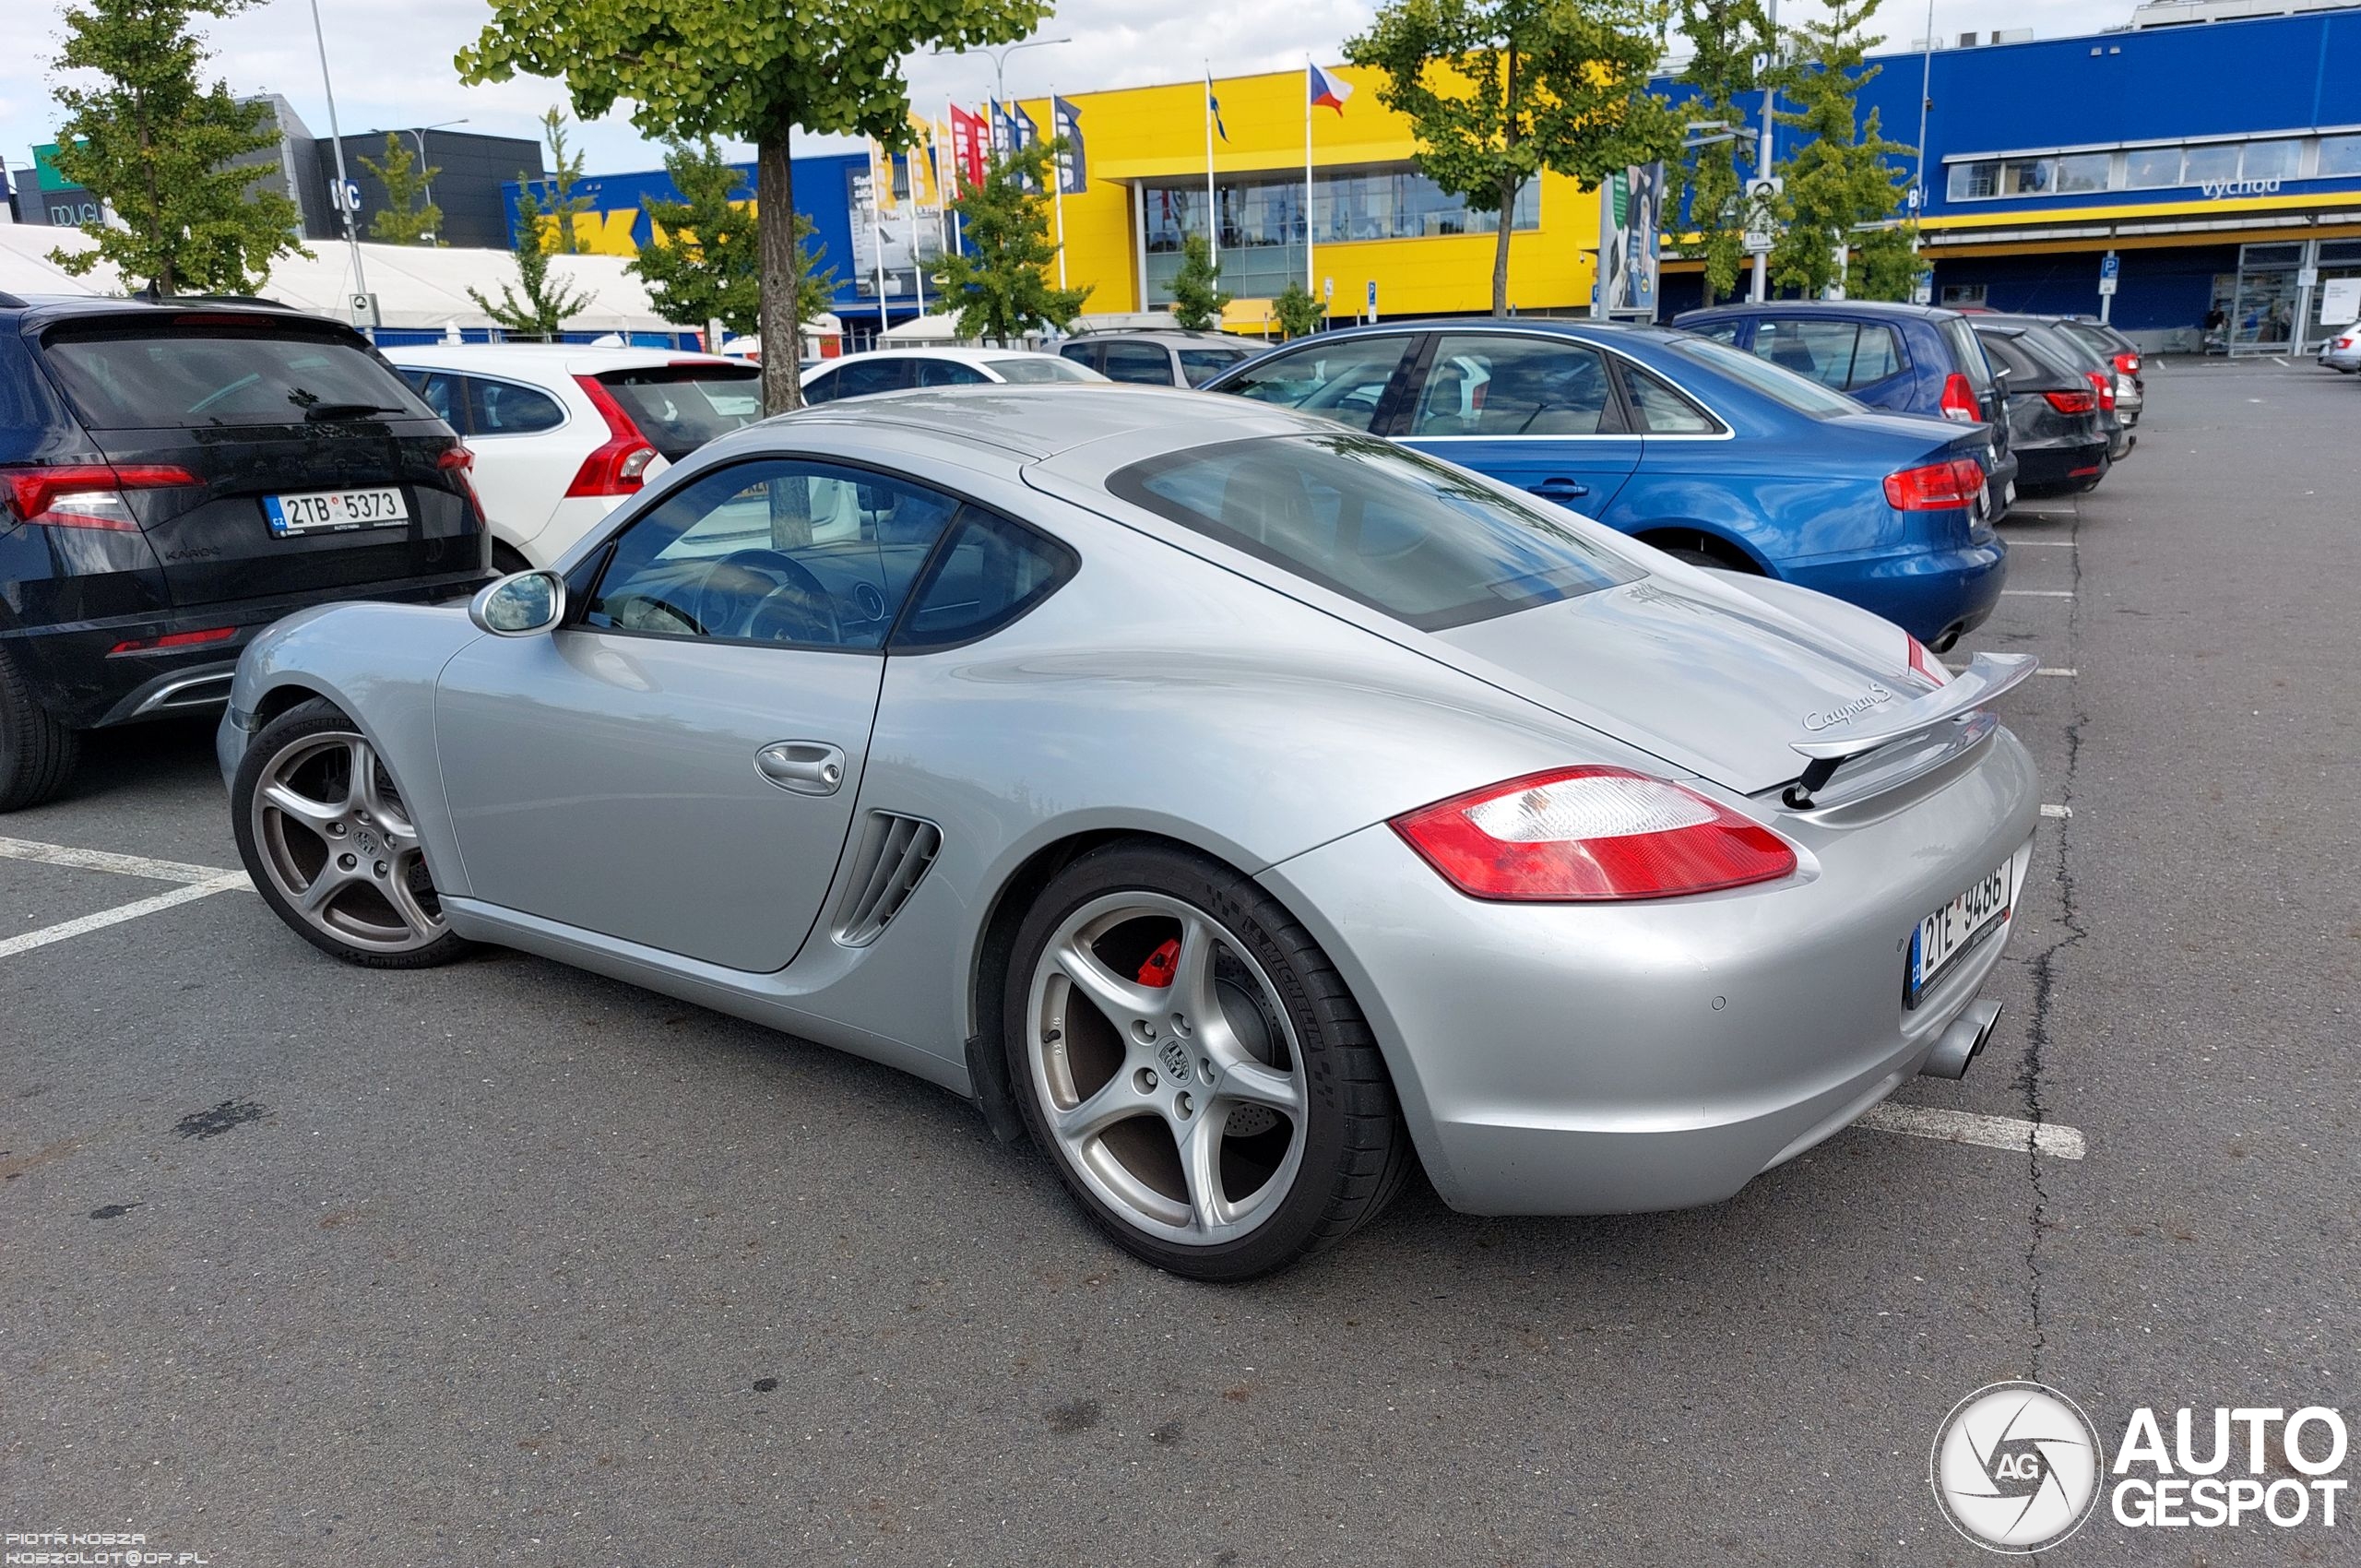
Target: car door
{"x":1538,"y":413}
{"x":526,"y":456}
{"x":676,"y":764}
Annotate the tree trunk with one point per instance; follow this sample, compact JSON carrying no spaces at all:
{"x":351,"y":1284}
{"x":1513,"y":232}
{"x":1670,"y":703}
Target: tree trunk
{"x":1508,"y":187}
{"x":782,"y":275}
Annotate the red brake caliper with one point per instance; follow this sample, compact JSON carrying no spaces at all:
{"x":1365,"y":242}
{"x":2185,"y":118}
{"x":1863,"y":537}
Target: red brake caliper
{"x":1157,"y":970}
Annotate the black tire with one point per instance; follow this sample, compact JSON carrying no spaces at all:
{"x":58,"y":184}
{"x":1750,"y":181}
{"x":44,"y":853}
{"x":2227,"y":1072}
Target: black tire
{"x":37,"y":753}
{"x":265,"y":850}
{"x":507,"y":560}
{"x":1355,"y":1152}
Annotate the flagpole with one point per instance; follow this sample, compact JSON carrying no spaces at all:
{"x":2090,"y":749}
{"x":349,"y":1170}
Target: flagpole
{"x":877,"y":240}
{"x":1058,"y":186}
{"x":918,"y":264}
{"x":958,"y":177}
{"x":1309,"y":286}
{"x":1212,"y":213}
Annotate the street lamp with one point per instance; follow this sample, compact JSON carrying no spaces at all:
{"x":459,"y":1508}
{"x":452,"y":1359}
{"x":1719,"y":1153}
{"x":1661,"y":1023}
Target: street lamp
{"x":1000,"y":61}
{"x":351,"y":227}
{"x":417,"y":135}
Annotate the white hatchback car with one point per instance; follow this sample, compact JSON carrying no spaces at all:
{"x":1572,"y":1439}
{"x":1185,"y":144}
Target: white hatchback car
{"x":562,"y":432}
{"x":892,"y":370}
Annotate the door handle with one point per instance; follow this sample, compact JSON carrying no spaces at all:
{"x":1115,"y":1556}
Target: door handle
{"x":1561,"y":489}
{"x":805,"y":767}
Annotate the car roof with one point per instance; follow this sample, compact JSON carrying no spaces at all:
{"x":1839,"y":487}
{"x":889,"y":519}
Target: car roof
{"x":41,"y":310}
{"x":1177,"y":336}
{"x":524,"y":359}
{"x":1890,"y":309}
{"x":1038,"y":421}
{"x":1582,"y":330}
{"x":959,"y":352}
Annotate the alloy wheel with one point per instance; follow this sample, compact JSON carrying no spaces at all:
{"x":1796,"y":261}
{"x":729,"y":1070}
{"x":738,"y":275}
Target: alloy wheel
{"x":340,"y":847}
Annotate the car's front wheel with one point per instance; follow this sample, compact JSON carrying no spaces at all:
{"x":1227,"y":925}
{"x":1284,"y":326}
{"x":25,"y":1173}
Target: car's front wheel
{"x":1195,"y":1067}
{"x":332,"y":846}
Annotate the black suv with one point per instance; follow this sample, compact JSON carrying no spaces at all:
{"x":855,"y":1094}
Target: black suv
{"x":175,"y":476}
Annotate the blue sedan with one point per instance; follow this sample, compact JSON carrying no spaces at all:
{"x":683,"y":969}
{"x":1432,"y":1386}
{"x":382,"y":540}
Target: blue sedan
{"x":1698,"y":449}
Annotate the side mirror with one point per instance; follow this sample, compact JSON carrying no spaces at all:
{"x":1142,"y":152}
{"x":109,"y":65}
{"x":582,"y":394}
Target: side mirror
{"x":519,"y":605}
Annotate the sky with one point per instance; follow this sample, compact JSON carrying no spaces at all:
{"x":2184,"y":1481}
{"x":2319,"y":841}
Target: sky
{"x":391,"y":65}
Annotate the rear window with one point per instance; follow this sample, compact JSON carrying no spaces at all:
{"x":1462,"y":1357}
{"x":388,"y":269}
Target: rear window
{"x":1969,"y":349}
{"x":1399,"y":532}
{"x":1777,"y":383}
{"x":679,"y":408}
{"x":1039,"y":367}
{"x":222,"y":377}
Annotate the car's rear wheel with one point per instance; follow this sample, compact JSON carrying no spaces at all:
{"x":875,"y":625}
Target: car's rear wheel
{"x":37,"y":753}
{"x":1195,"y":1067}
{"x":329,"y":840}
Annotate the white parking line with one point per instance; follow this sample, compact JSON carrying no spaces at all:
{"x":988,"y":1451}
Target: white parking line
{"x":186,"y":893}
{"x":2065,"y":670}
{"x":1967,"y":1127}
{"x":2036,"y":593}
{"x":101,"y":859}
{"x":2048,"y":809}
{"x":2043,"y":543}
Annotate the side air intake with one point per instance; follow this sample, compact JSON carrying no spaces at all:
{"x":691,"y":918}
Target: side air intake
{"x":892,"y":860}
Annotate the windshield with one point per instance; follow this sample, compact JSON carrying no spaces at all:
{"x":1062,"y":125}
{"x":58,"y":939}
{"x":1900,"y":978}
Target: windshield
{"x":679,"y":408}
{"x":1775,"y":382}
{"x":201,"y":376}
{"x":1039,"y":367}
{"x":1381,"y":525}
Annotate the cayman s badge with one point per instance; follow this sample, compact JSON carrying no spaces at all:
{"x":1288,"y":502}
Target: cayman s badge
{"x":1818,"y":720}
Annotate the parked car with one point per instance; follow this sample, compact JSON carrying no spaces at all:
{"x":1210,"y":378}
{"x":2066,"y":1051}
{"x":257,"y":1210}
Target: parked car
{"x":1158,"y":359}
{"x":174,"y":478}
{"x":1247,"y":808}
{"x":2342,"y":350}
{"x":1907,"y":359}
{"x":2097,"y":367}
{"x":1692,"y":445}
{"x":897,"y":370}
{"x":2131,"y":385}
{"x":2053,"y":413}
{"x":562,"y":433}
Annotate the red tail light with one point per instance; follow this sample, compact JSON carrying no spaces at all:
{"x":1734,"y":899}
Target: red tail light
{"x":2127,"y":364}
{"x":175,"y":640}
{"x":86,"y":495}
{"x":617,"y":468}
{"x":1959,"y":400}
{"x":2073,"y":402}
{"x":1924,"y":661}
{"x":1582,"y":835}
{"x":1954,"y":483}
{"x":2104,"y":385}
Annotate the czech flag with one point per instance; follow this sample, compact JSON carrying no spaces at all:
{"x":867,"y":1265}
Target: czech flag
{"x":1327,"y":91}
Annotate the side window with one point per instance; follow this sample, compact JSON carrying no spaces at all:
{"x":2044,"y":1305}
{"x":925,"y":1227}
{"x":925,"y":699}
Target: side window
{"x":865,"y":373}
{"x":948,"y":372}
{"x":1491,"y":383}
{"x":1343,"y":380}
{"x":502,"y":407}
{"x":1720,"y":331}
{"x":1663,"y":410}
{"x":783,"y":551}
{"x":1081,"y":353}
{"x":992,"y":571}
{"x":1146,"y":364}
{"x":440,"y":392}
{"x":1877,"y":354}
{"x":1821,"y":349}
{"x":1201,"y":365}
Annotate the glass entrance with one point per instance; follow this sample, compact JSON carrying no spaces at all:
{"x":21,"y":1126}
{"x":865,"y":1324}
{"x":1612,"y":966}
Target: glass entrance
{"x":2262,"y":310}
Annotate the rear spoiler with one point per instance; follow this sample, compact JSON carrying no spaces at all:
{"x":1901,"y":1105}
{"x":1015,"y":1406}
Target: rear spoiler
{"x":1987,"y":675}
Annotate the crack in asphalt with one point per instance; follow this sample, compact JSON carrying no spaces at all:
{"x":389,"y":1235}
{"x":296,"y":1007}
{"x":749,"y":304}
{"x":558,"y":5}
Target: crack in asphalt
{"x":2043,"y":965}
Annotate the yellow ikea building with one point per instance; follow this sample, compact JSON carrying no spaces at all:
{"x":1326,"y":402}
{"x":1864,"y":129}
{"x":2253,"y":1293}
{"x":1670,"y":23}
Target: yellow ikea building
{"x":1375,"y":220}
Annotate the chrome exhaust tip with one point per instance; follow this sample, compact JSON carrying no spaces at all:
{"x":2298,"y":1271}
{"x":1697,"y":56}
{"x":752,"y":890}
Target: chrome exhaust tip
{"x":1962,"y":1043}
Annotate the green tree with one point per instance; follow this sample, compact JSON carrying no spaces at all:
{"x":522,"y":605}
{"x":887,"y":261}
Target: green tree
{"x":704,"y":259}
{"x":541,"y":310}
{"x":1728,"y":37}
{"x":693,"y":68}
{"x":559,"y":200}
{"x":999,"y":283}
{"x":1197,"y":299}
{"x":1498,"y":91}
{"x":158,"y":148}
{"x":1841,"y":189}
{"x":1299,"y":309}
{"x":408,"y":218}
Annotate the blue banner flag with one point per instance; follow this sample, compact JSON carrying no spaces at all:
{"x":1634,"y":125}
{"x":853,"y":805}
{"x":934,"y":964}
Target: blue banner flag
{"x":1065,"y":121}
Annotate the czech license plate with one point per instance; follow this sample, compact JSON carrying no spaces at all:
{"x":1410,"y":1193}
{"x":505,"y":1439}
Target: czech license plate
{"x":1950,"y":933}
{"x":333,"y":511}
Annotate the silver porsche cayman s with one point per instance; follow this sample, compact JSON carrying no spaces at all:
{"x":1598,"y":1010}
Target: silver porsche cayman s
{"x":1246,"y":808}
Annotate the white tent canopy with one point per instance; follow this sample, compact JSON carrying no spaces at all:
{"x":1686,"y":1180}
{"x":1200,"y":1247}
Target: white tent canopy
{"x":923,"y":329}
{"x":417,"y":286}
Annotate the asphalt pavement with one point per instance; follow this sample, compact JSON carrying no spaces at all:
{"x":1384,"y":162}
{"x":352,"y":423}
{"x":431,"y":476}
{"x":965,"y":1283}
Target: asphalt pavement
{"x":502,"y":1262}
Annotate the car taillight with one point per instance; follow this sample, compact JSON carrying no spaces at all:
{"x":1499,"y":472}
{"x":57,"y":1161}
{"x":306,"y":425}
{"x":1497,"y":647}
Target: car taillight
{"x":1923,"y":661}
{"x":86,"y":495}
{"x":2104,"y":385}
{"x":1959,"y":400}
{"x":617,"y":466}
{"x":2127,"y":364}
{"x":1935,"y":485}
{"x":1582,"y":835}
{"x":175,"y":640}
{"x":2073,"y":402}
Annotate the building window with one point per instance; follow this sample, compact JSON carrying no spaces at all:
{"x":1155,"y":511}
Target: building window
{"x":2272,"y":160}
{"x":1971,"y":182}
{"x":1959,"y":296}
{"x":2083,"y":172}
{"x":2340,"y":155}
{"x":1267,"y":211}
{"x":2151,"y":168}
{"x":2209,"y":165}
{"x":2025,"y":176}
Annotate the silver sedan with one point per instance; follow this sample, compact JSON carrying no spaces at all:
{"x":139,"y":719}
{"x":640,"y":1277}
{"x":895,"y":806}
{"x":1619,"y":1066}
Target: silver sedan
{"x":1245,"y":809}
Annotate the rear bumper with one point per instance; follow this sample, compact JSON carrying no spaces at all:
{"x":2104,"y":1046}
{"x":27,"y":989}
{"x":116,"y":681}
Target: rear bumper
{"x":77,"y":678}
{"x":2068,"y":466}
{"x":1567,"y":1059}
{"x":1931,"y":594}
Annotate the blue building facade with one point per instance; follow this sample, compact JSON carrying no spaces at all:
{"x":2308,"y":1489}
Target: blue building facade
{"x":2218,"y":164}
